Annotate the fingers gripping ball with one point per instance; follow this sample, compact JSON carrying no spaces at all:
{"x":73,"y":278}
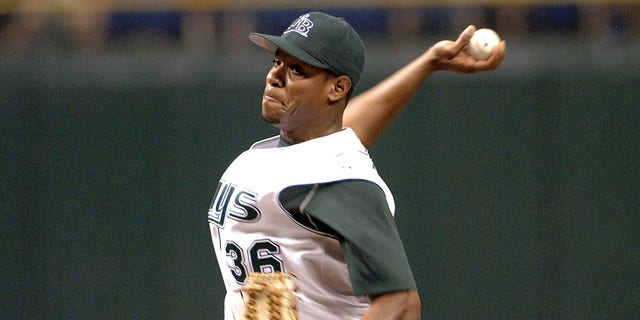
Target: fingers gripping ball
{"x":482,"y":43}
{"x":270,"y":296}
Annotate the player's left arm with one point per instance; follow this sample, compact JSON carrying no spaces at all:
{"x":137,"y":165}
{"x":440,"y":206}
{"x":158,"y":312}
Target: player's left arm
{"x":369,"y":113}
{"x":400,"y":305}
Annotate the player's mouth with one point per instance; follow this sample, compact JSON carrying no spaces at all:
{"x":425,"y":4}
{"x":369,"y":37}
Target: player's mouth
{"x":268,"y":98}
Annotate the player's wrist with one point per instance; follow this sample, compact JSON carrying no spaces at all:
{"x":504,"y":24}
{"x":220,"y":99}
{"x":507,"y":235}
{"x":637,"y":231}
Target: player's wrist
{"x":429,"y":61}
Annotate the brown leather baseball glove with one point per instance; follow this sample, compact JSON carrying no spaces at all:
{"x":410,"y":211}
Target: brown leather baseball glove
{"x":270,"y":296}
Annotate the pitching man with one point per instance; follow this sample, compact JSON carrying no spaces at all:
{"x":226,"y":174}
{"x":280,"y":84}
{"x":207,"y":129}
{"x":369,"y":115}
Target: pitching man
{"x":309,"y":202}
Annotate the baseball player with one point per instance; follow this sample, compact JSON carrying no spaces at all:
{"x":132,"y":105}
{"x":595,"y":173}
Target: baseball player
{"x":309,"y":202}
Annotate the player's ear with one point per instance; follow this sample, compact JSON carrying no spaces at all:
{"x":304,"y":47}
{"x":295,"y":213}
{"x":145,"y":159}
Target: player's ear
{"x":340,"y":87}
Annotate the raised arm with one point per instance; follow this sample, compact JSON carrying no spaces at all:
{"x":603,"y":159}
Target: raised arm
{"x":369,"y":113}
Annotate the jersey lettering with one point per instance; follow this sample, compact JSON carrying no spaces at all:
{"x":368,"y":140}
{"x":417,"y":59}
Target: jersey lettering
{"x":243,"y":208}
{"x":263,"y":256}
{"x":236,"y":254}
{"x":219,"y":203}
{"x":230,"y":201}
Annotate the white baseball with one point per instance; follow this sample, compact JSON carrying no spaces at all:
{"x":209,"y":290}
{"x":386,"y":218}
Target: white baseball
{"x":482,"y":43}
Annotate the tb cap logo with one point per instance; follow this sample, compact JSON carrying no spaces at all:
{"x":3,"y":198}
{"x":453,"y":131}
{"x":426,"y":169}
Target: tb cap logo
{"x":301,"y":26}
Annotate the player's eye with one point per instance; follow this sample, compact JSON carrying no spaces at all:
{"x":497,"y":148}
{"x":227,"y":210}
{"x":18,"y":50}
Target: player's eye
{"x":276,"y":62}
{"x":296,"y":69}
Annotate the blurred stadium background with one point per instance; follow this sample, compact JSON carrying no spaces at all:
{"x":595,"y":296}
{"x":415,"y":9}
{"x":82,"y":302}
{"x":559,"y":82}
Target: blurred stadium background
{"x":518,"y":191}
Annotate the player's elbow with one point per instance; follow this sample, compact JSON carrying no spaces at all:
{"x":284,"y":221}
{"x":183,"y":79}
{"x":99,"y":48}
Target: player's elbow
{"x":400,"y":305}
{"x":411,"y":305}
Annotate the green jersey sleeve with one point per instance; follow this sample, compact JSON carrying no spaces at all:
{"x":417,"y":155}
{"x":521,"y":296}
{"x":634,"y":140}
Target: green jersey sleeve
{"x":356,"y":212}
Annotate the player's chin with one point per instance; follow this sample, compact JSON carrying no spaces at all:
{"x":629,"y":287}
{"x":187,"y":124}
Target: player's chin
{"x":270,"y":118}
{"x":271,"y":121}
{"x":272,"y":113}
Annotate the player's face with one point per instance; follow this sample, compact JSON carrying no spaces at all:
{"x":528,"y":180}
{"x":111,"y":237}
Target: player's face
{"x":295,"y":93}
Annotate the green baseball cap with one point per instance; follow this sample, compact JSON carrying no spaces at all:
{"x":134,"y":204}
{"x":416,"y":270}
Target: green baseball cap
{"x":320,"y":40}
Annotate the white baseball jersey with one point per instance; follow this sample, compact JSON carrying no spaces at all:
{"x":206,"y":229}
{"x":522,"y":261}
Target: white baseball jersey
{"x":251,"y":232}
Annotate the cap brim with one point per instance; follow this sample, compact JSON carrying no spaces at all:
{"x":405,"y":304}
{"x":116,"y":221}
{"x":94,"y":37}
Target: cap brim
{"x":272,"y":43}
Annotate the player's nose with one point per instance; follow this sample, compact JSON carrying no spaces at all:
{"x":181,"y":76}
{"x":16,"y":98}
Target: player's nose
{"x":274,"y":77}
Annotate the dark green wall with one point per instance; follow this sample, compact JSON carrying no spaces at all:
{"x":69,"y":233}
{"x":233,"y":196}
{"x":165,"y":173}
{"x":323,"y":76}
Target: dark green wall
{"x":517,"y":194}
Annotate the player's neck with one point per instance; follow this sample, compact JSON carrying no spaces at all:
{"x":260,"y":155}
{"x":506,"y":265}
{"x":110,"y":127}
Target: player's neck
{"x":297,"y":136}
